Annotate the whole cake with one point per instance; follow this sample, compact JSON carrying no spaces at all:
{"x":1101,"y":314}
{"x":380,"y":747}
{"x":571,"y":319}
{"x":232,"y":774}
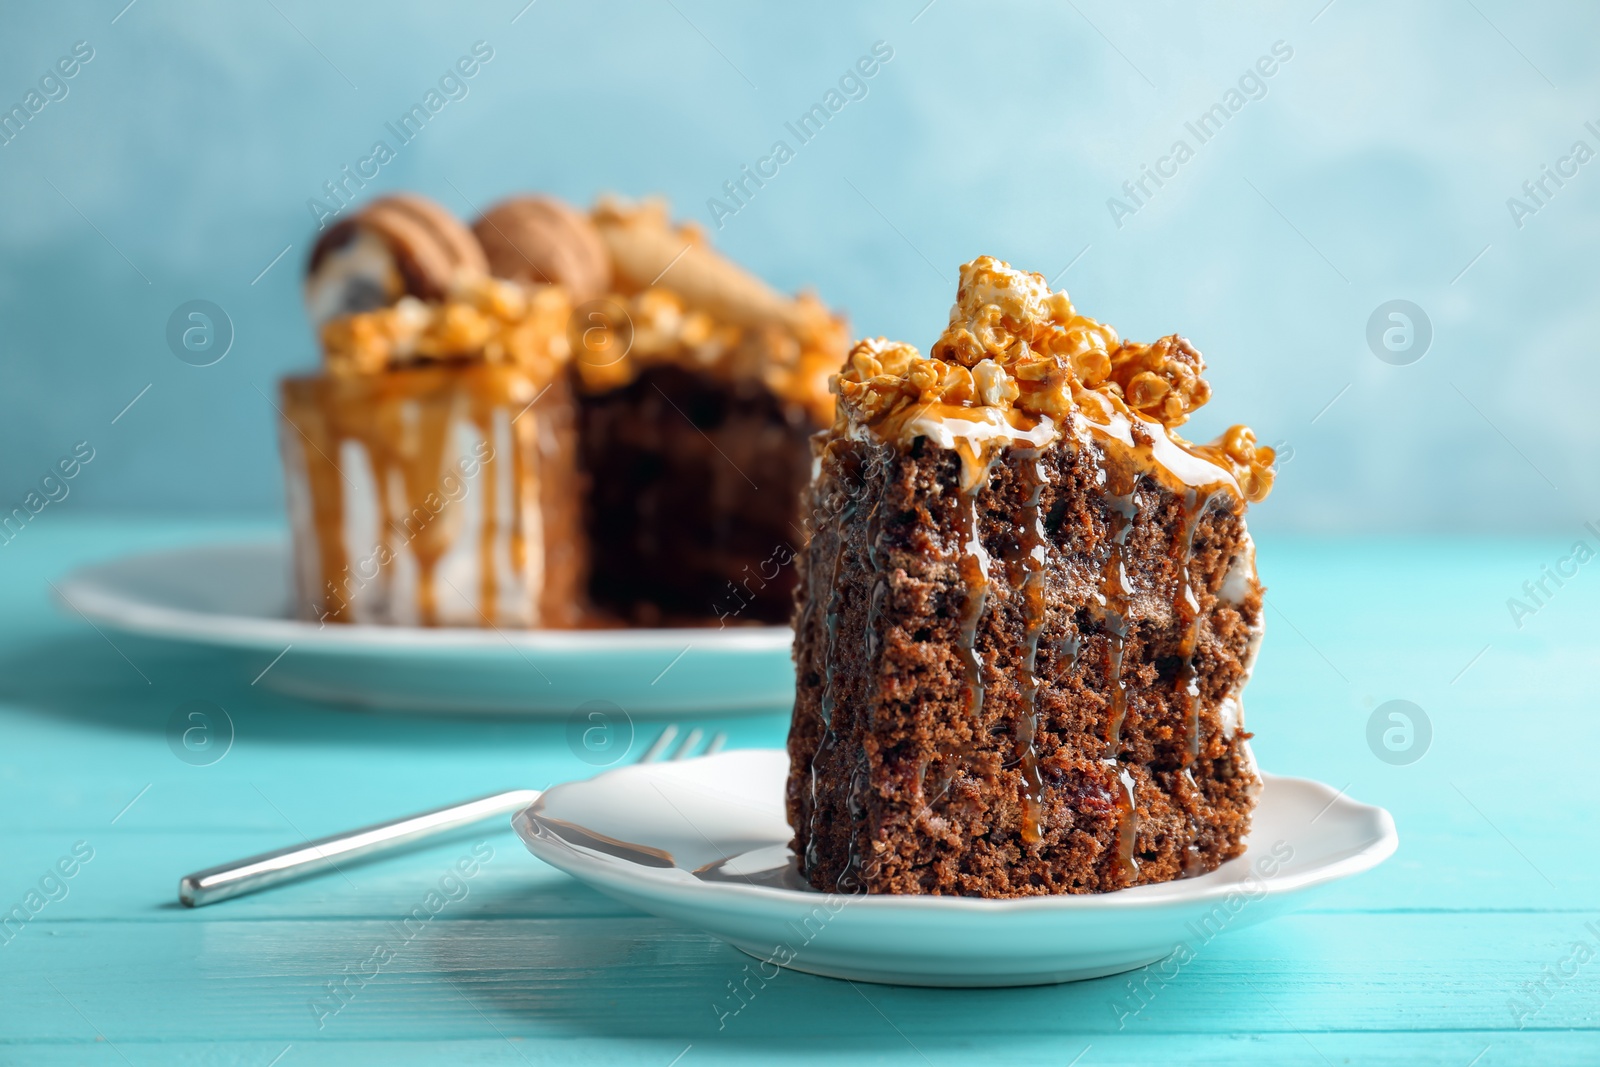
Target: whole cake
{"x":552,"y":418}
{"x":1027,"y":612}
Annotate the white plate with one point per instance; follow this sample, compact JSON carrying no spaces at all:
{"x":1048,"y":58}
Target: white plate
{"x":237,"y":596}
{"x":704,"y":842}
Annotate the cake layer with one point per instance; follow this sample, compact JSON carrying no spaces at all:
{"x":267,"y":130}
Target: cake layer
{"x":444,"y":495}
{"x":1019,"y":666}
{"x":694,"y":485}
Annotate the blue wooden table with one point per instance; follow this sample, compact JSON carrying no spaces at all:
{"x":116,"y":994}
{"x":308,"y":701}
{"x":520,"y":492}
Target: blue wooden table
{"x":1479,"y":943}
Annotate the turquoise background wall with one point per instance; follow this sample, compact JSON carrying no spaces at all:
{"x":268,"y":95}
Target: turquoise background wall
{"x":1383,"y":158}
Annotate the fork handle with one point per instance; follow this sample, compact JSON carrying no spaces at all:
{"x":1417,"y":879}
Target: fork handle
{"x":313,"y":857}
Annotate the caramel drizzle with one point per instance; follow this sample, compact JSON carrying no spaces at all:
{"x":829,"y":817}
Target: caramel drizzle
{"x":829,"y":698}
{"x":972,"y":566}
{"x":432,"y":541}
{"x":325,"y":499}
{"x":856,"y":805}
{"x":1028,"y":576}
{"x":972,"y":563}
{"x":1071,"y":647}
{"x":1127,"y":825}
{"x":529,"y":539}
{"x":404,"y":425}
{"x":1186,"y":609}
{"x":1115,"y":589}
{"x":385,"y":501}
{"x":524,"y":478}
{"x":489,"y":523}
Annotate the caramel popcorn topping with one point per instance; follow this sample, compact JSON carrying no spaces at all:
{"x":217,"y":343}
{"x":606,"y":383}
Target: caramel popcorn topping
{"x":483,"y":320}
{"x":613,"y":340}
{"x":1018,"y":360}
{"x":627,"y":290}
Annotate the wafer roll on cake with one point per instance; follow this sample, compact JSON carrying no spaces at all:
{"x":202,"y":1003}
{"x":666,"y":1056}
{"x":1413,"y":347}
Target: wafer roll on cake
{"x":649,"y":250}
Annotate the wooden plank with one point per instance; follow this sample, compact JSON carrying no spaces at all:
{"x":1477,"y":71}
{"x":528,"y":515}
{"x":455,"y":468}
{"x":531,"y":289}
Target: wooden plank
{"x":643,"y":978}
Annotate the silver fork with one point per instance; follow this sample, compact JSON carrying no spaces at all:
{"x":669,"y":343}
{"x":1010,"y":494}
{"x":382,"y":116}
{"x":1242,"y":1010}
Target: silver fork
{"x":327,"y":853}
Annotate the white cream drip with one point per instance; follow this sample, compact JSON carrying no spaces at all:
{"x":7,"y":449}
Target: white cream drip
{"x":1241,"y":576}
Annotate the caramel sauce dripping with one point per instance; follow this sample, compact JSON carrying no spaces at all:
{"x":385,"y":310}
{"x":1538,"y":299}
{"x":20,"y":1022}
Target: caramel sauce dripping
{"x":405,"y":424}
{"x":1121,"y":485}
{"x":324,"y":487}
{"x":1027,"y":566}
{"x":972,"y":565}
{"x":421,"y":476}
{"x":972,"y":562}
{"x":524,"y":480}
{"x":1115,"y":589}
{"x":1127,"y":825}
{"x":489,"y":525}
{"x":856,"y":805}
{"x":1186,"y":610}
{"x":384,"y":491}
{"x":1071,"y":647}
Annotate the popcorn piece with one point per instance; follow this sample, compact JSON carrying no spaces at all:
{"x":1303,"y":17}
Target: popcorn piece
{"x":1251,"y":464}
{"x":1161,"y":380}
{"x":995,"y":387}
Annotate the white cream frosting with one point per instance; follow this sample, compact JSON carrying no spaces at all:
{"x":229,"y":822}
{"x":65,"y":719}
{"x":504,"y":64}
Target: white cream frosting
{"x":985,"y":426}
{"x":1231,"y":713}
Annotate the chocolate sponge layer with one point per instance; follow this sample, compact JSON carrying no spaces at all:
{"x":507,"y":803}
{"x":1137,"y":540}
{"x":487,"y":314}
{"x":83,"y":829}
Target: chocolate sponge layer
{"x":694,"y":495}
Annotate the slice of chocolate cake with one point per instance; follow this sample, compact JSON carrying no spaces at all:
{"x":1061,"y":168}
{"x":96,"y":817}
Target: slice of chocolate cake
{"x":1027,"y":612}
